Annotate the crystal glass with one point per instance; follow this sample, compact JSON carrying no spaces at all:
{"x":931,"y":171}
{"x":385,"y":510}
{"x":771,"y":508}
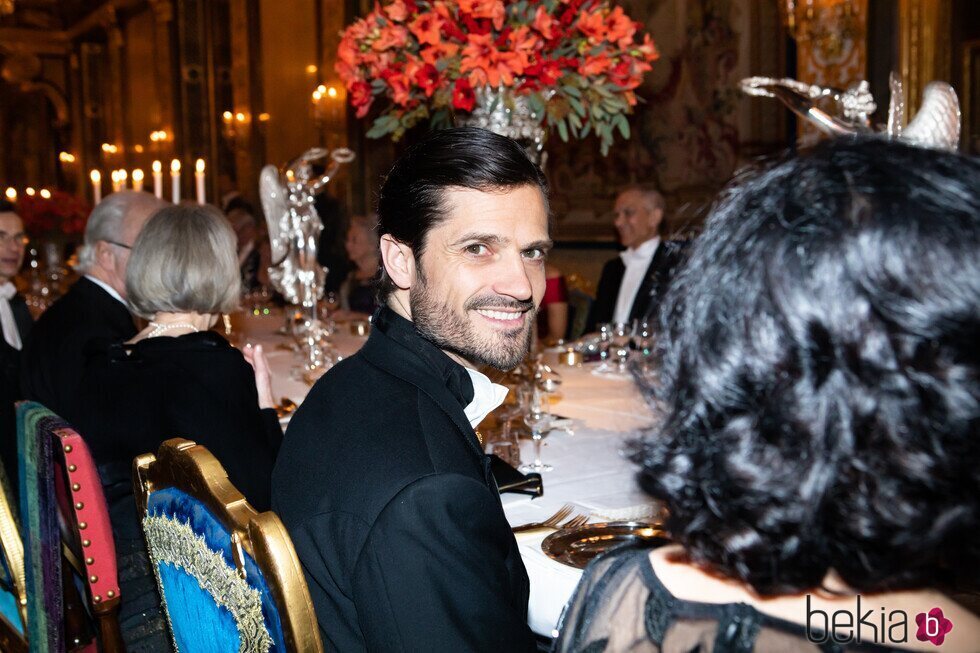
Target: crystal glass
{"x":620,"y":338}
{"x":605,"y":342}
{"x":538,"y":420}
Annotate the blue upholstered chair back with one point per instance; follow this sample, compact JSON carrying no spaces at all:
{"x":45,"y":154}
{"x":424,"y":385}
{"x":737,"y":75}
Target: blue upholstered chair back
{"x":228,"y":576}
{"x":210,"y":606}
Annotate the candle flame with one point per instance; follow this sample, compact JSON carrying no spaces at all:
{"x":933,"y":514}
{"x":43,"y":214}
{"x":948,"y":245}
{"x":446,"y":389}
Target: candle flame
{"x":157,"y":167}
{"x":175,"y":166}
{"x":137,"y":175}
{"x":199,"y":165}
{"x":29,"y":191}
{"x":95,"y":176}
{"x":123,"y":174}
{"x":45,"y":193}
{"x":11,"y":194}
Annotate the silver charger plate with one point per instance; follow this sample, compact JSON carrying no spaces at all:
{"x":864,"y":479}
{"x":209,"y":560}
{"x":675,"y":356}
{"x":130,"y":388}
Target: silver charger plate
{"x":576,"y":547}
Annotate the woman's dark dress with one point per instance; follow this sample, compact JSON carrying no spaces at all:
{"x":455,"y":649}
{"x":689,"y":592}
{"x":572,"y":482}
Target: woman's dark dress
{"x":195,"y":386}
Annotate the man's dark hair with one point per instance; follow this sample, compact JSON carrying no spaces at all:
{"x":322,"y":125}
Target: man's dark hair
{"x":821,"y":375}
{"x":7,"y":207}
{"x":411,"y":198}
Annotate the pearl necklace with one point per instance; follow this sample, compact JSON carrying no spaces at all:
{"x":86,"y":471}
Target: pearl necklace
{"x":160,"y":328}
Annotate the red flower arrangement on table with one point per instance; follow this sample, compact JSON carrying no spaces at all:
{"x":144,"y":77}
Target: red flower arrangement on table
{"x":61,"y":214}
{"x":577,"y":61}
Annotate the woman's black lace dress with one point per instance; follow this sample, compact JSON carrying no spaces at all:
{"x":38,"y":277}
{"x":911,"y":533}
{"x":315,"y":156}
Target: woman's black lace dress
{"x":621,"y":605}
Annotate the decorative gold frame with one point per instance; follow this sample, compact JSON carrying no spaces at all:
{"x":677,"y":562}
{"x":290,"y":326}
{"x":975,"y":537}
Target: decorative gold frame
{"x":13,"y":549}
{"x":191,"y":468}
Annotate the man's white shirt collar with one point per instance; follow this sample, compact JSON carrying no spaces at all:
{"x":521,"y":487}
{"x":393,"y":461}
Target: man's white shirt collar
{"x":109,"y":289}
{"x":487,"y":395}
{"x":642,"y":254}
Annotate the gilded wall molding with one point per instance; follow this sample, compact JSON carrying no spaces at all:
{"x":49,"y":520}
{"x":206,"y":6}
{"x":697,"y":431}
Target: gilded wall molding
{"x":924,"y":48}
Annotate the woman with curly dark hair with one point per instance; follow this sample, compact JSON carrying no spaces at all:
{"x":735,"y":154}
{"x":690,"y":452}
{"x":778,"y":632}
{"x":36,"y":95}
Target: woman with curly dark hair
{"x":819,"y":454}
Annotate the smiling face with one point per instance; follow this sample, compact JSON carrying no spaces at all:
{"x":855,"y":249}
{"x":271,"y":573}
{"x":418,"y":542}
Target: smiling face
{"x":12,"y":242}
{"x":481,"y":276}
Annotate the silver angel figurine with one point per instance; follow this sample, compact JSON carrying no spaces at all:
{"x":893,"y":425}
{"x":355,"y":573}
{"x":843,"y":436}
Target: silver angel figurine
{"x":294,"y":225}
{"x":937,"y":124}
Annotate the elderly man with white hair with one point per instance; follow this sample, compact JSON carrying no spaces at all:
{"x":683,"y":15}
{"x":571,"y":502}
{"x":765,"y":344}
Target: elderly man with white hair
{"x":94,"y":307}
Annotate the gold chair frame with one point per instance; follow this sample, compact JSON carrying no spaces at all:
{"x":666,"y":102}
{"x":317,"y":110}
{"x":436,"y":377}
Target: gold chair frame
{"x":191,"y":468}
{"x":13,"y":548}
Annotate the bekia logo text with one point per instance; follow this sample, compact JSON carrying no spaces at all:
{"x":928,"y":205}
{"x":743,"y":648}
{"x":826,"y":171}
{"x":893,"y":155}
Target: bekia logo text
{"x":871,"y":626}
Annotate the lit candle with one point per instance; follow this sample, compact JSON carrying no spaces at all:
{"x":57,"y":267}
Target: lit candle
{"x":175,"y":179}
{"x":114,"y":177}
{"x":29,"y":191}
{"x":12,"y":194}
{"x":96,"y":178}
{"x":158,"y":180}
{"x":138,"y":179}
{"x":45,"y":193}
{"x":199,"y":180}
{"x":123,"y":175}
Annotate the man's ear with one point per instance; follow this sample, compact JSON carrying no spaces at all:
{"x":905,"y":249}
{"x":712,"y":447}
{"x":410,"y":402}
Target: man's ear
{"x":399,"y":261}
{"x":104,"y":256}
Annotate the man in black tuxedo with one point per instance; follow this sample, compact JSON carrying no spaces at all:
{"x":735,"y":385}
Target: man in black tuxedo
{"x":632,"y":284}
{"x":381,"y":479}
{"x":94,"y":307}
{"x":15,"y":322}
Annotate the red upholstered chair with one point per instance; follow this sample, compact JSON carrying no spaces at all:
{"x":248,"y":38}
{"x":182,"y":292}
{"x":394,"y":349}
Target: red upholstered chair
{"x":84,"y":508}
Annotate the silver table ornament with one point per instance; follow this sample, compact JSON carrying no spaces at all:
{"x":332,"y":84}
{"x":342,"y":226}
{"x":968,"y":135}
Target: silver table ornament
{"x":937,"y":124}
{"x":294,"y":233}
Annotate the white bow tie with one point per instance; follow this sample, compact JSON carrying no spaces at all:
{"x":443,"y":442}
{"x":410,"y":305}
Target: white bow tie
{"x":7,"y":321}
{"x":487,"y":395}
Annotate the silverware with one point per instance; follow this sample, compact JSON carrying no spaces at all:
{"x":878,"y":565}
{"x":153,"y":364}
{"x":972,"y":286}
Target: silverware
{"x":573,"y":522}
{"x":550,"y":522}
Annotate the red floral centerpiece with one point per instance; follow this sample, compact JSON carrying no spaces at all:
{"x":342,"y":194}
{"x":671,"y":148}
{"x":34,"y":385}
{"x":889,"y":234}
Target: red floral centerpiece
{"x":574,"y":64}
{"x":60,"y":216}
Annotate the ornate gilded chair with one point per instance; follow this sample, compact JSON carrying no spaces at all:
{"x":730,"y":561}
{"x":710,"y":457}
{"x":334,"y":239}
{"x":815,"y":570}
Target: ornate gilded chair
{"x":228,"y":576}
{"x":69,"y":542}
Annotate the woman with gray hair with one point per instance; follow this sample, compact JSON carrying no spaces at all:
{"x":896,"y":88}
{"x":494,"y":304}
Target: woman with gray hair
{"x":176,"y":378}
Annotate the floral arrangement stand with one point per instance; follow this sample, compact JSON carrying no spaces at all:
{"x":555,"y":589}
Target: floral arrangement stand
{"x":518,"y":66}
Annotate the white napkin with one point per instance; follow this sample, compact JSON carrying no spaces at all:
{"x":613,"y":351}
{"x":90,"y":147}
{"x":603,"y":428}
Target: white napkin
{"x":7,"y":322}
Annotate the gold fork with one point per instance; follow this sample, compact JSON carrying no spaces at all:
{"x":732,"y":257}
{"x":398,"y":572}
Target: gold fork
{"x":550,"y":522}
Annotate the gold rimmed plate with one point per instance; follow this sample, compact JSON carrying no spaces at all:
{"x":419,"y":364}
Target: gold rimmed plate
{"x":575,"y":547}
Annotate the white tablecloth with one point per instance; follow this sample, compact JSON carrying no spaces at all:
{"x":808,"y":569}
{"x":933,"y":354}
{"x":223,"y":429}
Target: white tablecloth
{"x":590,"y":470}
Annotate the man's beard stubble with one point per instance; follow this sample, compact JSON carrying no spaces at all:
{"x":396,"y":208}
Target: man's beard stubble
{"x":452,"y":332}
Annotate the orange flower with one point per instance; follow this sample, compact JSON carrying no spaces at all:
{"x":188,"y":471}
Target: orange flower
{"x":544,"y":22}
{"x":648,"y":50}
{"x":593,"y":26}
{"x":492,"y":9}
{"x":426,"y":28}
{"x":360,"y":97}
{"x":442,"y":50}
{"x":621,"y":28}
{"x":397,"y":11}
{"x":391,"y":37}
{"x":593,"y":66}
{"x":488,"y":65}
{"x":524,"y":43}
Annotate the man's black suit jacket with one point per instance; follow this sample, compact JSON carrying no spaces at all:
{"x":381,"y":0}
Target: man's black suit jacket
{"x":392,"y":508}
{"x":665,"y":261}
{"x":11,"y":361}
{"x":54,"y":357}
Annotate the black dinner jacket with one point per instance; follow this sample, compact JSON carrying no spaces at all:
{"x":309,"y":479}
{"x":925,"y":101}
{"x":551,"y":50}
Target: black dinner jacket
{"x":392,"y":508}
{"x":665,"y":261}
{"x":11,"y":361}
{"x":54,"y":355}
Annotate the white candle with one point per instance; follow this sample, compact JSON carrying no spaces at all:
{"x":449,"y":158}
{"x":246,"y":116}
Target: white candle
{"x":123,"y":175}
{"x":96,"y":178}
{"x":199,"y":180}
{"x":114,"y":176}
{"x":158,"y":180}
{"x":138,"y":179}
{"x":175,"y":180}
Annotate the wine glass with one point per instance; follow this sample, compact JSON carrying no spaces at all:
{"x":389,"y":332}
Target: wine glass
{"x":605,"y":341}
{"x":620,"y":338}
{"x":538,"y":420}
